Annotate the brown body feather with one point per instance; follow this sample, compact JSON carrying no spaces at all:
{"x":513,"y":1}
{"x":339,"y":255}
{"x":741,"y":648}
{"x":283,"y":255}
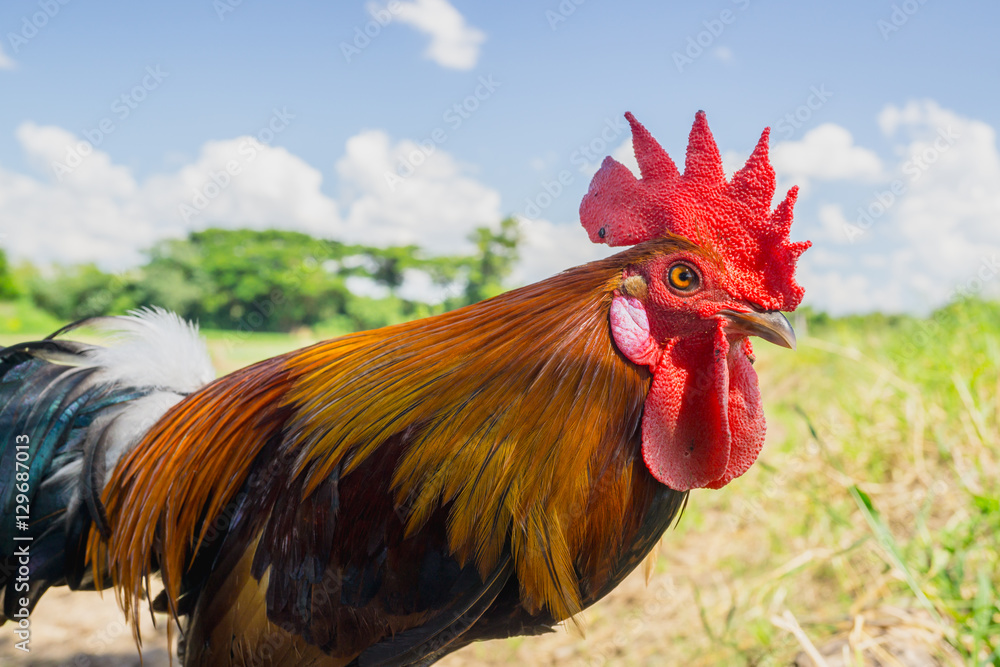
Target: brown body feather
{"x":501,"y":439}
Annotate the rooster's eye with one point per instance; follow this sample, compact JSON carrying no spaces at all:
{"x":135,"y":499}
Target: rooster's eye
{"x":682,"y":278}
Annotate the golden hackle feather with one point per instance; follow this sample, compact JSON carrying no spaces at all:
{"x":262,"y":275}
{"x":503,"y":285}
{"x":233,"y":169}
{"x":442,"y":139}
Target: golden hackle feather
{"x":518,"y":414}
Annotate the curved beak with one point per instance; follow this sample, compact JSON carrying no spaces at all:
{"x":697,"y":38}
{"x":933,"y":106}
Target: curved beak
{"x":771,"y":326}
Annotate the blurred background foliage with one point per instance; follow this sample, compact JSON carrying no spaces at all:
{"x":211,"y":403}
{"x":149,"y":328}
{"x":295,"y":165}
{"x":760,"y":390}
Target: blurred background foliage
{"x":265,"y":281}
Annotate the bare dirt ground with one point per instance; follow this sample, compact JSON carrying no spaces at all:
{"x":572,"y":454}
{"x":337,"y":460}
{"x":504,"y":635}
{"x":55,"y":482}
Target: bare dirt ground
{"x":84,"y":629}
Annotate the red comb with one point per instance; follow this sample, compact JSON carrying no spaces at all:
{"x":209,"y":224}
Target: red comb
{"x":731,"y":218}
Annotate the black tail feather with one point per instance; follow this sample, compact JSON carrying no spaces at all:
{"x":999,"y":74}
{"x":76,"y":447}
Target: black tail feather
{"x":51,"y":465}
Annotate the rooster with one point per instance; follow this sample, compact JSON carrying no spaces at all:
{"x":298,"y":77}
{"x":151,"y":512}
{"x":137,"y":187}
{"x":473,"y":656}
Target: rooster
{"x":387,"y":497}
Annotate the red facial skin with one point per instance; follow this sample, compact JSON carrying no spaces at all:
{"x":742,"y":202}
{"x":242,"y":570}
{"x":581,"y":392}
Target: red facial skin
{"x":703,"y":423}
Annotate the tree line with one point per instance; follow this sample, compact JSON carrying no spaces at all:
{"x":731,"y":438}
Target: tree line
{"x":271,"y":280}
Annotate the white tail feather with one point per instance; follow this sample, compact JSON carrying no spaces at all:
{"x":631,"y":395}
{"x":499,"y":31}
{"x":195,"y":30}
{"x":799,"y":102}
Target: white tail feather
{"x":152,"y":347}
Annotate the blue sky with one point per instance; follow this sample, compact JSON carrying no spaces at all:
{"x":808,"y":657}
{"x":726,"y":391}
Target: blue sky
{"x":857,"y":93}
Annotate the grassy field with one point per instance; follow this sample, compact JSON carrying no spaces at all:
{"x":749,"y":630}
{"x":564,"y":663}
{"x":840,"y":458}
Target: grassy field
{"x":867,"y":533}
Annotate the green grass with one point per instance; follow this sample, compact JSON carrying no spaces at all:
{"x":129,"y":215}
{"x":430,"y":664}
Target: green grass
{"x":873,"y":514}
{"x":232,"y":350}
{"x":882,"y":477}
{"x":22,"y":317}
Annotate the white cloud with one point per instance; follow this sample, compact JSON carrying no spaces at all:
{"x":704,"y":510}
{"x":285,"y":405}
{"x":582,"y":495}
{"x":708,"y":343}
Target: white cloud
{"x":454,"y":43}
{"x":949,"y":213}
{"x":86,"y":208}
{"x":365,"y":286}
{"x":49,"y":146}
{"x":542,"y":162}
{"x":436,"y":206}
{"x":915,"y":113}
{"x":243,"y":183}
{"x":625,"y":154}
{"x":549,"y":248}
{"x":5,"y":60}
{"x":825,"y":153}
{"x":834,"y":224}
{"x":839,"y":282}
{"x":936,"y":233}
{"x":92,"y":214}
{"x":733,"y":161}
{"x":723,"y":54}
{"x":418,"y":286}
{"x":96,"y":210}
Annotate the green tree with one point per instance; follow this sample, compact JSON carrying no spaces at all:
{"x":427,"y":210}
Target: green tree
{"x":75,"y":292}
{"x":8,"y":286}
{"x":497,"y":254}
{"x":276,"y":280}
{"x":392,"y":263}
{"x":244,"y":279}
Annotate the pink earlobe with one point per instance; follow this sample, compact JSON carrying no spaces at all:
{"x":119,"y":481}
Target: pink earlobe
{"x":630,"y":331}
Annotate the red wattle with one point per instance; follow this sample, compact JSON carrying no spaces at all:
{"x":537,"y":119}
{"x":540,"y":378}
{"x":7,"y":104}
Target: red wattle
{"x":685,"y":426}
{"x":746,"y":415}
{"x":703,"y":423}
